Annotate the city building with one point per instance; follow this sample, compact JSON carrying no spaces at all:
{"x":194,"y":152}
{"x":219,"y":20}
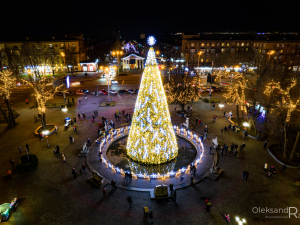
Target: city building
{"x":44,"y":54}
{"x":231,"y":49}
{"x":133,"y":61}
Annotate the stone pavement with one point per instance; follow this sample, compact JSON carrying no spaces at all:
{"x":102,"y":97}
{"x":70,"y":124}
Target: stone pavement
{"x":50,"y":195}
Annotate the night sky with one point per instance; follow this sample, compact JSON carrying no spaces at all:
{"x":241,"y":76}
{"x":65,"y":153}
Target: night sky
{"x":132,"y":18}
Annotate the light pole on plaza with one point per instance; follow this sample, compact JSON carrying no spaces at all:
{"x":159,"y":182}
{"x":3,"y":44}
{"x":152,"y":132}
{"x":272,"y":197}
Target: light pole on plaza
{"x":108,"y":76}
{"x":199,"y":54}
{"x":170,"y":73}
{"x":270,"y":53}
{"x":64,"y":56}
{"x":240,"y":222}
{"x":117,"y":53}
{"x":221,"y":106}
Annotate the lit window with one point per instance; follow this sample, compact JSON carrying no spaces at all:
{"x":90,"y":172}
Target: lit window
{"x":242,"y":44}
{"x":192,"y":45}
{"x":227,"y":44}
{"x":202,"y":44}
{"x":291,"y":62}
{"x":223,"y":50}
{"x":247,"y":43}
{"x":73,"y":45}
{"x":281,"y":51}
{"x":61,"y":45}
{"x":223,"y":44}
{"x":212,"y":44}
{"x":259,"y":50}
{"x":207,"y":44}
{"x":277,"y":46}
{"x":218,"y":44}
{"x":201,"y":60}
{"x":50,"y":45}
{"x":264,"y":45}
{"x":237,"y":44}
{"x":206,"y":60}
{"x":263,"y":51}
{"x":260,"y":45}
{"x":207,"y":50}
{"x":275,"y":57}
{"x":282,"y":45}
{"x":246,"y":49}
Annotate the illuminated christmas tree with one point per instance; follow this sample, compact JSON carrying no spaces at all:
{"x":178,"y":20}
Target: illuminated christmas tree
{"x":151,"y":138}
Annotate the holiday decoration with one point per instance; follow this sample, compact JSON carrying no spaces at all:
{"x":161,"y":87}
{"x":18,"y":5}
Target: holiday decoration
{"x":151,"y":138}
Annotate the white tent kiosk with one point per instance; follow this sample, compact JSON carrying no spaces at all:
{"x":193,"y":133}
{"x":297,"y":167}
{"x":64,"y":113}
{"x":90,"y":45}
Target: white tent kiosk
{"x":133,"y":61}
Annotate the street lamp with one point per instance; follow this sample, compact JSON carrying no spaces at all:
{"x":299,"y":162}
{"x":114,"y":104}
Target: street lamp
{"x":64,"y":56}
{"x":199,"y":54}
{"x":221,"y":106}
{"x":240,"y":222}
{"x":270,"y":53}
{"x":108,"y":77}
{"x":245,"y":124}
{"x":157,"y":52}
{"x":170,"y":73}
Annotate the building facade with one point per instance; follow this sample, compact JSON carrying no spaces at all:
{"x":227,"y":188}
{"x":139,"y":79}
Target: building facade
{"x":230,"y":49}
{"x":43,"y":53}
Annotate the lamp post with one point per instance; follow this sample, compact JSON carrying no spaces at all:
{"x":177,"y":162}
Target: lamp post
{"x":170,"y":73}
{"x":64,"y":56}
{"x":108,"y":77}
{"x":199,"y":54}
{"x":117,"y":53}
{"x":270,"y":53}
{"x":221,"y":106}
{"x":245,"y":124}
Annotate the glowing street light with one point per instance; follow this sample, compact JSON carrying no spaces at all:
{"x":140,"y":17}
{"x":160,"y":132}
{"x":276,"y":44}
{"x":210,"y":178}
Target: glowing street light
{"x":199,"y":54}
{"x":245,"y":124}
{"x":270,"y":53}
{"x":221,"y":106}
{"x":240,"y":222}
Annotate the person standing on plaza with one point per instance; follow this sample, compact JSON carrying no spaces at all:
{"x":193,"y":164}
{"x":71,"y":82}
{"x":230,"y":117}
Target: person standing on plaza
{"x":174,"y":195}
{"x":146,"y":212}
{"x":104,"y":192}
{"x":235,"y":152}
{"x":20,"y":149}
{"x":192,"y":180}
{"x":265,"y":144}
{"x":83,"y":168}
{"x":113,"y":184}
{"x":226,"y":148}
{"x":227,"y":218}
{"x":151,"y":218}
{"x":83,"y":115}
{"x":243,"y":174}
{"x":12,"y":163}
{"x":71,"y":139}
{"x":74,"y":173}
{"x":266,"y":167}
{"x":78,"y":116}
{"x":210,"y":149}
{"x":27,"y":147}
{"x":129,"y":200}
{"x":196,"y":121}
{"x":171,"y":188}
{"x":283,"y":168}
{"x":63,"y":157}
{"x":246,"y":176}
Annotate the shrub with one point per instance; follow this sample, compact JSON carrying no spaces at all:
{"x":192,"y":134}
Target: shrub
{"x":27,"y":165}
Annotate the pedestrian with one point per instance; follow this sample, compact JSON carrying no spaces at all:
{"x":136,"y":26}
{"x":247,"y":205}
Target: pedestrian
{"x":26,"y":101}
{"x":243,"y":145}
{"x":171,"y":188}
{"x":83,"y":115}
{"x":199,"y":121}
{"x":225,"y":128}
{"x":74,"y":173}
{"x":78,"y":116}
{"x":213,"y":106}
{"x":146,"y":211}
{"x":130,"y":176}
{"x":241,"y":148}
{"x":104,"y":192}
{"x":235,"y":152}
{"x":265,"y":144}
{"x":247,"y":175}
{"x":151,"y":218}
{"x":71,"y":139}
{"x":20,"y":149}
{"x":224,"y":114}
{"x":243,"y":174}
{"x":56,"y":130}
{"x":222,"y":149}
{"x":227,"y":218}
{"x":174,"y":195}
{"x":89,"y":141}
{"x":27,"y":147}
{"x":129,"y":200}
{"x":79,"y":101}
{"x":72,"y":123}
{"x":207,"y":206}
{"x":5,"y":177}
{"x":83,"y":168}
{"x":266,"y":167}
{"x":74,"y":118}
{"x":92,"y":120}
{"x":181,"y":179}
{"x":12,"y":163}
{"x":210,"y":149}
{"x":283,"y":168}
{"x":113,"y":184}
{"x":63,"y":157}
{"x":192,"y":180}
{"x":194,"y":171}
{"x":73,"y":100}
{"x":60,"y":107}
{"x":196,"y":121}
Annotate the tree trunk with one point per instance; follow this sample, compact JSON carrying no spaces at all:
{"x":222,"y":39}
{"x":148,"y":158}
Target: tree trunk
{"x":285,"y":141}
{"x":295,"y":147}
{"x":10,"y":114}
{"x":237,"y":112}
{"x":266,"y":115}
{"x":5,"y":117}
{"x":44,"y":121}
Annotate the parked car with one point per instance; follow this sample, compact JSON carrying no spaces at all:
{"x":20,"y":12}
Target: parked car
{"x":113,"y":92}
{"x":136,"y":91}
{"x":59,"y":93}
{"x":131,"y":91}
{"x":122,"y":91}
{"x":208,"y":89}
{"x":103,"y":92}
{"x":114,"y":81}
{"x":82,"y":91}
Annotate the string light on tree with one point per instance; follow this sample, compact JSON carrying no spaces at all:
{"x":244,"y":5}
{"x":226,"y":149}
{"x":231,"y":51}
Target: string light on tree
{"x":151,"y":138}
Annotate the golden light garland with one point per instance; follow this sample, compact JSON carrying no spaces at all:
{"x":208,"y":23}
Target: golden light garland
{"x":286,"y":101}
{"x":151,"y":139}
{"x":41,"y":95}
{"x":9,"y":82}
